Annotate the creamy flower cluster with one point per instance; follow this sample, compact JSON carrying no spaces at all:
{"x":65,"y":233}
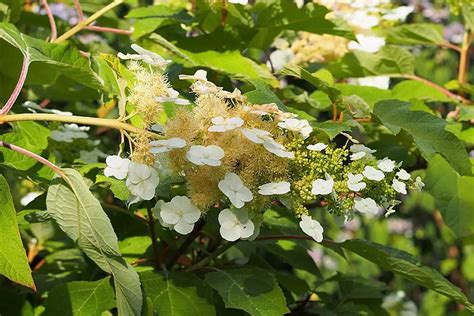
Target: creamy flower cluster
{"x":237,"y":157}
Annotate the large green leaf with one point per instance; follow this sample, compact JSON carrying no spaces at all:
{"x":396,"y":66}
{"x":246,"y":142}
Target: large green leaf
{"x":390,"y":60}
{"x":407,"y":266}
{"x":13,"y":262}
{"x":54,"y":58}
{"x":416,"y":33}
{"x":428,"y":132}
{"x":177,"y":294}
{"x":81,"y":217}
{"x":29,"y":135}
{"x":80,"y":298}
{"x":453,"y":195}
{"x":229,"y":62}
{"x":253,"y":290}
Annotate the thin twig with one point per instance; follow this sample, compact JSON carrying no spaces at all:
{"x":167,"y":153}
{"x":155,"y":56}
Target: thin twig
{"x":151,"y":226}
{"x":52,"y":23}
{"x":80,"y":14}
{"x":83,"y":120}
{"x":82,"y":24}
{"x":185,"y":244}
{"x":108,"y":30}
{"x":116,"y":208}
{"x":334,"y":112}
{"x":19,"y":85}
{"x":451,"y":46}
{"x":212,"y":256}
{"x":34,"y":156}
{"x":434,"y":85}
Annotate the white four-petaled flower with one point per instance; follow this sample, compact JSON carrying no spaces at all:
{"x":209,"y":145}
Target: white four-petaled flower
{"x":243,"y":2}
{"x":399,"y":186}
{"x":386,"y":165}
{"x":360,"y":151}
{"x":165,"y":145}
{"x":297,"y":126}
{"x":205,"y":155}
{"x":142,"y":181}
{"x":116,"y":167}
{"x":355,"y":182}
{"x":312,"y":228}
{"x":366,"y":205}
{"x":172,"y":98}
{"x":180,"y":214}
{"x":323,"y":187}
{"x":233,"y":187}
{"x":274,"y":188}
{"x":367,"y":43}
{"x":317,"y":147}
{"x":198,"y":75}
{"x":235,"y":224}
{"x":373,"y":174}
{"x":403,"y":174}
{"x":145,"y":56}
{"x":263,"y":137}
{"x":220,"y":124}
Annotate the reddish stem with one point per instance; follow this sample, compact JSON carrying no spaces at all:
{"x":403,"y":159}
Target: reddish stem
{"x":52,"y":23}
{"x":108,"y":30}
{"x":80,"y":15}
{"x":16,"y":92}
{"x":34,"y":156}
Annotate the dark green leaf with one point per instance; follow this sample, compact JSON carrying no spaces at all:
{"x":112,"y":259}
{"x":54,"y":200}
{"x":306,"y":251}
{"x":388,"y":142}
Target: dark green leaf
{"x":177,"y":294}
{"x":80,"y":298}
{"x":251,"y":289}
{"x":407,"y":266}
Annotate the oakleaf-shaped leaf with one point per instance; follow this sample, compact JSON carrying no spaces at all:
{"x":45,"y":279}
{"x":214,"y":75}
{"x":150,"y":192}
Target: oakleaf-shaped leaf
{"x":81,"y":217}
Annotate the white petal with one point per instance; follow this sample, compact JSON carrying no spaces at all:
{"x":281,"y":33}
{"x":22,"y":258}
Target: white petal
{"x":183,"y":227}
{"x":226,"y":215}
{"x":317,"y":147}
{"x":230,"y":232}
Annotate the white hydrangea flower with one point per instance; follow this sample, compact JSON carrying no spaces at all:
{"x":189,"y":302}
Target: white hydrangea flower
{"x":278,"y":149}
{"x":399,"y":186}
{"x":145,"y":56}
{"x":142,"y":181}
{"x":360,"y":151}
{"x":403,"y":174}
{"x":366,"y":205}
{"x":116,"y":167}
{"x":297,"y":126}
{"x":373,"y":174}
{"x":274,"y":188}
{"x":235,"y":224}
{"x":221,"y":124}
{"x":312,"y":228}
{"x":399,"y":13}
{"x":419,"y":184}
{"x":69,"y":132}
{"x":386,"y":165}
{"x":355,"y":182}
{"x":243,"y":2}
{"x":180,"y":214}
{"x":317,"y":147}
{"x":362,"y":19}
{"x":259,"y":136}
{"x":233,"y":187}
{"x":165,"y":145}
{"x":172,"y":98}
{"x":198,"y":75}
{"x":380,"y":82}
{"x":205,"y":155}
{"x":367,"y":43}
{"x":323,"y":187}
